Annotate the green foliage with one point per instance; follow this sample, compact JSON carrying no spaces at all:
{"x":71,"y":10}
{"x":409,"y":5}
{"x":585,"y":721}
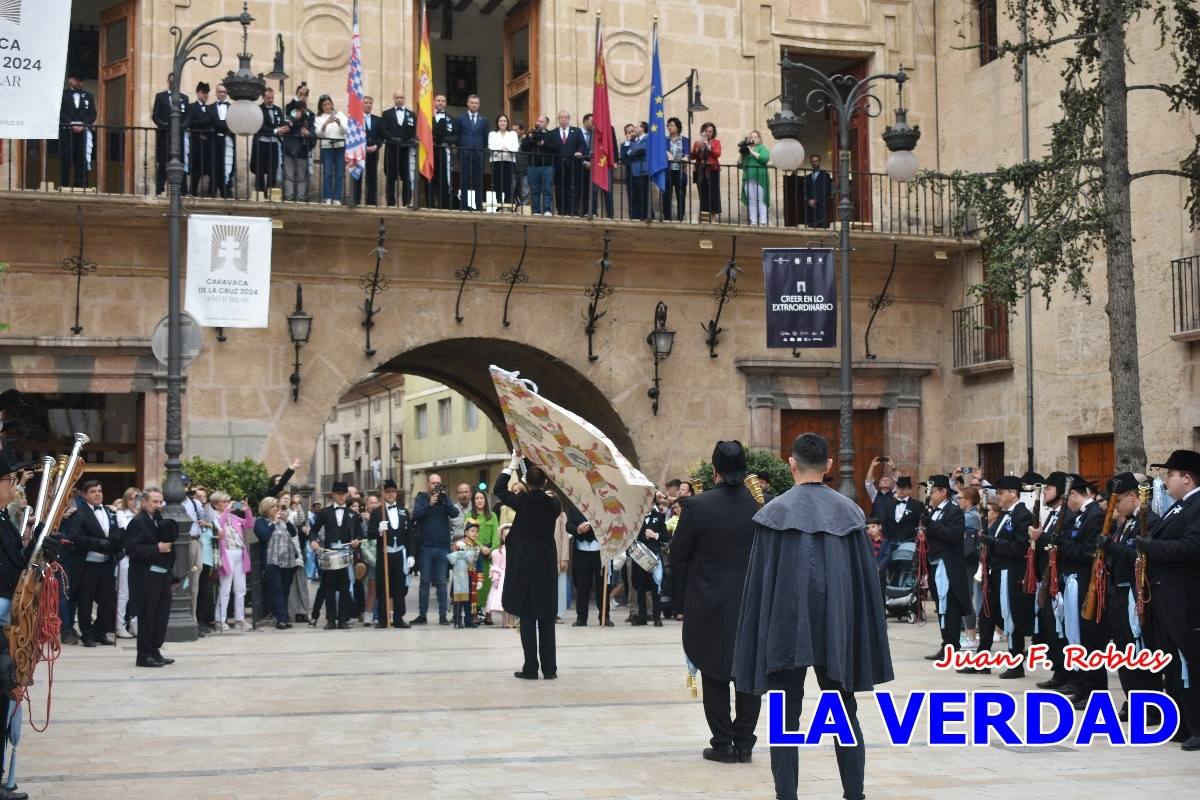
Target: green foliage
{"x":758,"y":461}
{"x":244,"y":479}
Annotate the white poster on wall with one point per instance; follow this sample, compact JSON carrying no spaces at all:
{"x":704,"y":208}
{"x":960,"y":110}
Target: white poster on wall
{"x":228,"y":270}
{"x":33,"y":64}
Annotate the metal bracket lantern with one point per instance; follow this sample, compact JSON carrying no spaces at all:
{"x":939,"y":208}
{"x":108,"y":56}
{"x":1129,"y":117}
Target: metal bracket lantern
{"x":661,"y":342}
{"x":299,"y":330}
{"x":464,"y":274}
{"x":78,"y":266}
{"x":597,"y":292}
{"x":515,"y":275}
{"x":373,"y":284}
{"x":723,"y":294}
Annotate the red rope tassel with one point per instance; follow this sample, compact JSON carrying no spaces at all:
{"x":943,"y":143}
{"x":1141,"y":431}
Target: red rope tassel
{"x":922,"y":574}
{"x":987,"y":582}
{"x":1030,"y":582}
{"x":1101,"y":590}
{"x":47,"y":637}
{"x":1142,"y":586}
{"x":1052,"y":572}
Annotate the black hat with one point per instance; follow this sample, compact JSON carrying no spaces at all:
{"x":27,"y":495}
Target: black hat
{"x":1081,"y":484}
{"x":1058,"y":480}
{"x":389,"y":484}
{"x":9,"y":464}
{"x":203,"y":87}
{"x":339,"y":487}
{"x":904,"y":482}
{"x":1032,"y":478}
{"x":729,"y":459}
{"x":1183,"y":460}
{"x":1009,"y":482}
{"x":1122,"y":482}
{"x":938,"y":482}
{"x":762,"y":476}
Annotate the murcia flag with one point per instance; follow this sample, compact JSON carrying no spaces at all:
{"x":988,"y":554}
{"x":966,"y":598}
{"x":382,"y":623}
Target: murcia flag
{"x":603,"y":154}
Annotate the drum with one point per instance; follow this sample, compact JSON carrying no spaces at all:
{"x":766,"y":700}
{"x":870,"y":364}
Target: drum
{"x":643,"y":556}
{"x":330,"y":560}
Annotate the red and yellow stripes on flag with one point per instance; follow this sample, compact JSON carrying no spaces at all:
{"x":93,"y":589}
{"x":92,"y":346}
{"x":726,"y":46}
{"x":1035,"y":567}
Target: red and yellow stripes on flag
{"x":424,"y":92}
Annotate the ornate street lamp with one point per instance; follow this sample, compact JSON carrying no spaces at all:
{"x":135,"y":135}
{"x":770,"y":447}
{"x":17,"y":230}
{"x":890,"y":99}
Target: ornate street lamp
{"x":245,"y":117}
{"x":845,"y":96}
{"x":299,"y":329}
{"x":661,"y":341}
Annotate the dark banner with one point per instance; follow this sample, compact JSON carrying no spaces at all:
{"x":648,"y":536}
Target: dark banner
{"x":801,"y":301}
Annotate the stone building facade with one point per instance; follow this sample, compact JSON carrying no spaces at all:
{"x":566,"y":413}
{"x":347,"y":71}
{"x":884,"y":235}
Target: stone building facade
{"x":914,"y":400}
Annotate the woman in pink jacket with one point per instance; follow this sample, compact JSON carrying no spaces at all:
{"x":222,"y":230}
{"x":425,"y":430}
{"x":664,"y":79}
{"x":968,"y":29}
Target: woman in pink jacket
{"x":234,"y":563}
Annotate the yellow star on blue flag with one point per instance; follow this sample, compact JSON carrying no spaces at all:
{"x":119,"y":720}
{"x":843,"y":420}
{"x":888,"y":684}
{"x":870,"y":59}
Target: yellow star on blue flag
{"x":656,"y":144}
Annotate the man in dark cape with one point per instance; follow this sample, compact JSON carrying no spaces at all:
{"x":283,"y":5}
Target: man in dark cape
{"x":711,"y":548}
{"x":812,"y":600}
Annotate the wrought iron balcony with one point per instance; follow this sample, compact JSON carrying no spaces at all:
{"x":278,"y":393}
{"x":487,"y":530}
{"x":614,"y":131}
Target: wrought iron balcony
{"x":1185,"y":298}
{"x":981,"y":338}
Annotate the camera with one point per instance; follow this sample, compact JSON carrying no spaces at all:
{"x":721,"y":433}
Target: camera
{"x":745,"y":144}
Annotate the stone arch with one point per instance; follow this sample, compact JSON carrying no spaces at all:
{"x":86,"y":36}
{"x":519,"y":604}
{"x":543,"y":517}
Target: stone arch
{"x":462,"y":364}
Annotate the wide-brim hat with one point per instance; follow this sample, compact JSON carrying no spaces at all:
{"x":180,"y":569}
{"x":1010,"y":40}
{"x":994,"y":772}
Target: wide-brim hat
{"x":339,"y":487}
{"x":904,"y":482}
{"x":1032,"y":478}
{"x":1011,"y":482}
{"x":389,"y":484}
{"x":9,"y":464}
{"x":1058,"y":480}
{"x":1182,"y":460}
{"x":1081,"y":484}
{"x":939,"y":482}
{"x":729,"y":459}
{"x":1123,"y":482}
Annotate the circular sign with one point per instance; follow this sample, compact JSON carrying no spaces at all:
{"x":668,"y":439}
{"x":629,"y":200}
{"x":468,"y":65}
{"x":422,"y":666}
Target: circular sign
{"x":191,"y":339}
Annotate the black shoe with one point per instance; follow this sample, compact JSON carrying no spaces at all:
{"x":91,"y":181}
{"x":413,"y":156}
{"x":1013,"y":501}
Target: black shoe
{"x":164,"y":660}
{"x":1053,"y":683}
{"x":744,"y":756}
{"x":974,"y":671}
{"x":104,"y":640}
{"x":550,"y":676}
{"x":380,"y":624}
{"x":402,"y":624}
{"x":725,"y":754}
{"x":70,"y":637}
{"x":89,"y":642}
{"x":344,"y":626}
{"x":330,"y":626}
{"x":420,"y":620}
{"x":658,"y":622}
{"x":639,"y":622}
{"x":148,"y":662}
{"x":935,"y":656}
{"x":608,"y":623}
{"x":1079,"y":702}
{"x":1192,"y":743}
{"x":12,"y":794}
{"x":579,"y":624}
{"x":282,"y":626}
{"x":1012,"y":672}
{"x":1071,"y":690}
{"x":312,"y":622}
{"x":443,"y":621}
{"x":1123,"y":714}
{"x":528,"y":676}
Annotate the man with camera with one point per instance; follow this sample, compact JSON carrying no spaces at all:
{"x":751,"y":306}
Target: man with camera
{"x":541,"y":167}
{"x":433,"y":512}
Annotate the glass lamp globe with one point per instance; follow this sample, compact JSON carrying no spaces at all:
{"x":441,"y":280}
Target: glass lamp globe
{"x":902,"y":165}
{"x":244,"y":117}
{"x":787,"y":155}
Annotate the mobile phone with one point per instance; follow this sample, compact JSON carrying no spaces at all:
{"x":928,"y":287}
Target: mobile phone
{"x":968,"y":470}
{"x":237,"y":505}
{"x":884,"y":460}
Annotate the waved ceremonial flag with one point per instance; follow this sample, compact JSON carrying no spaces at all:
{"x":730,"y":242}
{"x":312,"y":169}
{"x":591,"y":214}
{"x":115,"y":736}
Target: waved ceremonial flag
{"x":656,"y":140}
{"x":579,"y":459}
{"x":603,"y":149}
{"x":356,"y":131}
{"x":425,"y":102}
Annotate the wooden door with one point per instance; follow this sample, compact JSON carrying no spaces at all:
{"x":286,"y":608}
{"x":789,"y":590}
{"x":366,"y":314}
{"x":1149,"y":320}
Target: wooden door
{"x":868,"y":441}
{"x":1097,"y":457}
{"x":860,"y":151}
{"x":521,"y":63}
{"x":115,"y":146}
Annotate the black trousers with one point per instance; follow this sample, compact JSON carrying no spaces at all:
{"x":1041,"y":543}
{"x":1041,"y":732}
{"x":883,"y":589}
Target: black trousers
{"x":97,"y":586}
{"x":709,"y":184}
{"x":502,"y":181}
{"x":1047,"y":634}
{"x":443,"y":177}
{"x":588,"y":580}
{"x":643,"y":583}
{"x":1117,"y":616}
{"x":785,"y":761}
{"x":395,"y":586}
{"x":988,"y":622}
{"x":396,"y":170}
{"x":152,"y":615}
{"x":279,"y":583}
{"x":72,"y":158}
{"x":1170,"y":632}
{"x":738,"y":731}
{"x":639,"y":197}
{"x":371,"y":178}
{"x":565,"y":187}
{"x":537,"y":638}
{"x":951,"y":622}
{"x":677,"y":192}
{"x":206,"y":603}
{"x":162,"y":150}
{"x":199,"y":160}
{"x":266,"y":161}
{"x":335,"y":587}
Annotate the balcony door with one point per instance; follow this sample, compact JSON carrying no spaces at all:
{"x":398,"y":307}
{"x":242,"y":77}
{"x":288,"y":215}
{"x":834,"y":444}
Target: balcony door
{"x":116,"y":145}
{"x":520,"y":63}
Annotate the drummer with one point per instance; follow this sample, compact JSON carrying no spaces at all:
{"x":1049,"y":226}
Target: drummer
{"x":648,"y":577}
{"x":336,"y":528}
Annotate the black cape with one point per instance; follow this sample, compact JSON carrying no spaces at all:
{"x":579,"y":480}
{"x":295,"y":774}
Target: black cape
{"x":531,"y":557}
{"x":812,"y":595}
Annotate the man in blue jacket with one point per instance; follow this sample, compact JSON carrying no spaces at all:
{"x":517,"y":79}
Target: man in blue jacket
{"x":433,"y":511}
{"x":472,"y":148}
{"x":639,"y":188}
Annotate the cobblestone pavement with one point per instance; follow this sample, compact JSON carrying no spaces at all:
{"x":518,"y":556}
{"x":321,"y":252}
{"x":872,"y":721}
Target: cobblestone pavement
{"x":435,"y":712}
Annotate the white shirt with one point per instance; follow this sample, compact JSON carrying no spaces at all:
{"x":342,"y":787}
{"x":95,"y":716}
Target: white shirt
{"x":339,"y":513}
{"x":901,"y":508}
{"x":101,"y":517}
{"x":222,"y":109}
{"x":393,"y":514}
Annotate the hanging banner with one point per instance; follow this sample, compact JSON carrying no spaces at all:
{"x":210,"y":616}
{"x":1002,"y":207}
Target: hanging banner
{"x":33,"y":61}
{"x":228,"y":271}
{"x":801,"y":297}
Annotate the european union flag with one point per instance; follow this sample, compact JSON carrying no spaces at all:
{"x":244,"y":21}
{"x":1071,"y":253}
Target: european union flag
{"x":656,"y":141}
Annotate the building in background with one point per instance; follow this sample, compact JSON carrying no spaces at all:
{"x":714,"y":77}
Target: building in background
{"x":362,"y":441}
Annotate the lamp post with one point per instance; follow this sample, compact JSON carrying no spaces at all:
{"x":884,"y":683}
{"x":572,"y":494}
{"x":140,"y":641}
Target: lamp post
{"x":196,"y":45}
{"x":299,"y":329}
{"x":661,"y":341}
{"x":845,"y":96}
{"x":277,"y":73}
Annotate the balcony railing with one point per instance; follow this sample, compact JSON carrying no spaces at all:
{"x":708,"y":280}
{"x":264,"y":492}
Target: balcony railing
{"x":981,"y":336}
{"x":1185,"y":297}
{"x":130,"y":161}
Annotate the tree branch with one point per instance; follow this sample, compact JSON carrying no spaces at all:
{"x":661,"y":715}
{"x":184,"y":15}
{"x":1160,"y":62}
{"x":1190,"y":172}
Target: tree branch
{"x":1155,"y":87}
{"x":1147,"y":173}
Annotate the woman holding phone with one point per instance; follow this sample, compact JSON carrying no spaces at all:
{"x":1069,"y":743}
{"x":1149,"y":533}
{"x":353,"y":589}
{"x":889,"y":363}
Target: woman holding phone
{"x":234,"y":562}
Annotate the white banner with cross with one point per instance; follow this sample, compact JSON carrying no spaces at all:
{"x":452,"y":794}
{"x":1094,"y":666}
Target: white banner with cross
{"x":33,"y":58}
{"x":228,"y":271}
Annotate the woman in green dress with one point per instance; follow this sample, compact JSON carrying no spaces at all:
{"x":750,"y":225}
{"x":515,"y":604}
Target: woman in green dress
{"x":756,"y":178}
{"x":489,"y":540}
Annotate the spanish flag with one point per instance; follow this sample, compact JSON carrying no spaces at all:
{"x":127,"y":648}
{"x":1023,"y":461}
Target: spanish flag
{"x":425,"y":102}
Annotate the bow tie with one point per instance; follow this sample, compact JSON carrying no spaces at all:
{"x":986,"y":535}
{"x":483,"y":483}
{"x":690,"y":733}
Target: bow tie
{"x":391,"y":508}
{"x":97,"y":508}
{"x":339,"y":508}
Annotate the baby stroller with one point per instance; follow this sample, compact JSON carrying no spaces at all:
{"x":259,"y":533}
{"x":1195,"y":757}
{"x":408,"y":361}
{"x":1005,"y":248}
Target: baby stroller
{"x":900,"y":591}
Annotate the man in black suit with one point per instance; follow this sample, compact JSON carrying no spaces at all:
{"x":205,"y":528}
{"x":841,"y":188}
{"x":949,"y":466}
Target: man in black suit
{"x":445,"y":136}
{"x":906,"y":514}
{"x":945,"y":526}
{"x":160,"y":113}
{"x":1057,"y":517}
{"x":96,"y":538}
{"x":398,"y":130}
{"x":199,"y":125}
{"x":817,"y":185}
{"x":373,"y":129}
{"x":584,"y":199}
{"x":586,"y":573}
{"x":265,"y":155}
{"x":709,"y":555}
{"x":1007,"y":540}
{"x":223,"y":165}
{"x":1172,"y":550}
{"x":397,"y":558}
{"x":566,"y":143}
{"x":1076,"y":550}
{"x":76,"y":116}
{"x":150,"y":543}
{"x":335,"y":528}
{"x":472,"y":151}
